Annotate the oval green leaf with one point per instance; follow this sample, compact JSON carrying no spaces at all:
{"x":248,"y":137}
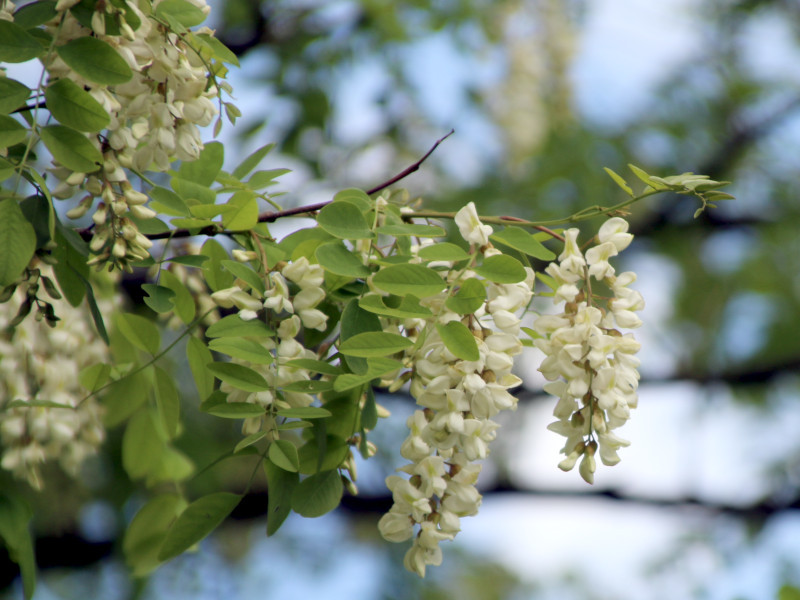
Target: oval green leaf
{"x":502,"y":268}
{"x":11,"y":131}
{"x":522,"y":241}
{"x":12,"y":94}
{"x":75,"y":107}
{"x":337,"y":259}
{"x":71,"y":148}
{"x":242,"y":348}
{"x":239,"y":376}
{"x":459,"y":340}
{"x":236,"y":410}
{"x":374,"y":343}
{"x":409,"y":279}
{"x":344,"y":220}
{"x":95,"y":60}
{"x":283,"y":454}
{"x":469,"y":297}
{"x":318,"y":494}
{"x":147,"y":531}
{"x":139,"y":331}
{"x":443,"y":251}
{"x":17,"y":241}
{"x":304,"y":412}
{"x":199,"y":519}
{"x":16,"y":44}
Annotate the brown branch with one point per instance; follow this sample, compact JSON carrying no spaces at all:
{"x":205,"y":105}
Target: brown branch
{"x":272,"y":216}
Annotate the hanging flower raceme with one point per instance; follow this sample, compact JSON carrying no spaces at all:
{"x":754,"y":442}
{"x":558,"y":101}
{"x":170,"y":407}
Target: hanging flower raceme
{"x":43,"y":414}
{"x":590,"y":363}
{"x":153,"y":117}
{"x":458,"y":396}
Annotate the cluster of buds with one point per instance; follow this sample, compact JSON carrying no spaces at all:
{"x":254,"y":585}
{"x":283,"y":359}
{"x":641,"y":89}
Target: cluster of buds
{"x":458,"y":398}
{"x":154,"y":119}
{"x":590,"y":363}
{"x":43,"y":416}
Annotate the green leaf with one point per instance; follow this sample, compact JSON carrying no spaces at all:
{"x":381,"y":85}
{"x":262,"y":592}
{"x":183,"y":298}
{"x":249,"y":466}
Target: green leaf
{"x":522,"y":241}
{"x":71,"y":148}
{"x":283,"y":454}
{"x":205,"y":169}
{"x":335,"y":258}
{"x":620,"y":181}
{"x":142,"y":446}
{"x":251,"y":162}
{"x":236,"y":410}
{"x":16,"y":44}
{"x":217,"y":277}
{"x":242,"y":348}
{"x":11,"y":131}
{"x":13,"y":94}
{"x":159,"y":298}
{"x":220,"y":50}
{"x":374,"y":343}
{"x":234,"y":326}
{"x":35,"y":14}
{"x":412,"y":229}
{"x":15,"y":518}
{"x":146,"y":532}
{"x":123,"y":398}
{"x":443,"y":251}
{"x":355,"y":197}
{"x":356,"y":320}
{"x":369,"y":414}
{"x":245,"y":273}
{"x":280,"y":486}
{"x":190,"y":260}
{"x":38,"y":210}
{"x":168,"y":202}
{"x":17,"y":241}
{"x":304,"y":412}
{"x":239,"y":376}
{"x":642,"y":175}
{"x":315,"y":366}
{"x":94,"y":376}
{"x":199,"y":356}
{"x":317,"y":494}
{"x":95,"y":60}
{"x":262,"y":179}
{"x":459,"y":340}
{"x":199,"y":519}
{"x":168,"y":402}
{"x":469,"y":297}
{"x":180,"y":11}
{"x":183,"y":299}
{"x":194,"y":193}
{"x":344,"y":220}
{"x":249,"y":441}
{"x":308,"y":386}
{"x":409,"y":279}
{"x":502,"y":268}
{"x":75,"y":107}
{"x":407,"y":307}
{"x":139,"y":331}
{"x":243,"y":212}
{"x":376,"y":368}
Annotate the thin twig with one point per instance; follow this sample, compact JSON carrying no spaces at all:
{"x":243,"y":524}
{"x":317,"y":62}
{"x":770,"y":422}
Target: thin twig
{"x":272,"y":216}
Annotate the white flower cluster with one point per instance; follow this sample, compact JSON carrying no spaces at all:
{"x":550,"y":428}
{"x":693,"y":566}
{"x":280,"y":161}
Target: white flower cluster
{"x":284,"y":347}
{"x":591,"y":365}
{"x":154,"y":119}
{"x":41,"y":414}
{"x":458,"y":399}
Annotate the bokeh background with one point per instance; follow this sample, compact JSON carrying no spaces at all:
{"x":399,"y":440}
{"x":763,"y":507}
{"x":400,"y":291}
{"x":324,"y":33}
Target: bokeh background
{"x":542,"y":95}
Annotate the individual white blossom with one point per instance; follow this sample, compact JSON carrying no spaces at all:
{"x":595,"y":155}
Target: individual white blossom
{"x":470,"y":226}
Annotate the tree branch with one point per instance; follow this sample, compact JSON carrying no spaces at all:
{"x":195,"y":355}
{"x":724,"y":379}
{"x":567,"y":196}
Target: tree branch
{"x":272,"y":216}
